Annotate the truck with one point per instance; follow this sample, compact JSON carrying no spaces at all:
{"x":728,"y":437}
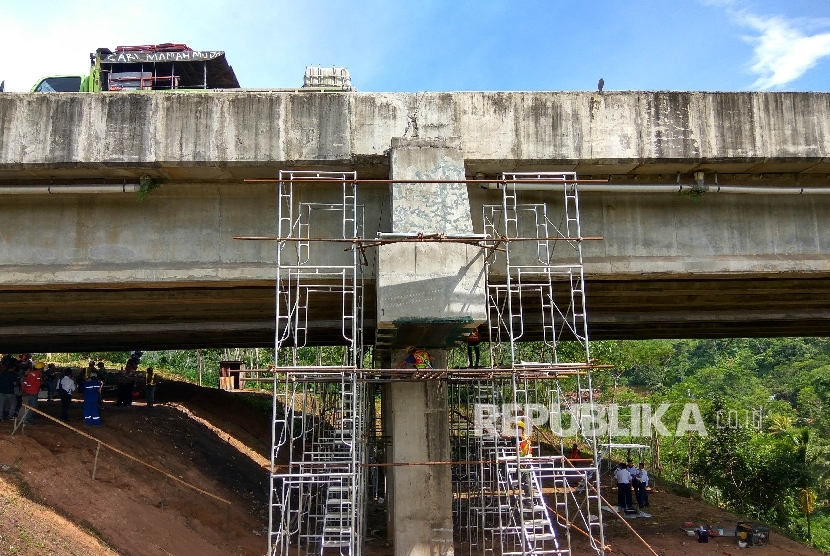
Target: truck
{"x":160,"y":67}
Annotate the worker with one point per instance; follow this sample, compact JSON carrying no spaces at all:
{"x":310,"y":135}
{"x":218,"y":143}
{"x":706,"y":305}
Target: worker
{"x":622,"y":478}
{"x":473,"y":345}
{"x":525,"y":449}
{"x":635,"y":480}
{"x":30,"y":388}
{"x":89,"y":370}
{"x":66,"y":387}
{"x":574,"y":453}
{"x":416,"y":358}
{"x":92,"y":393}
{"x":8,"y":382}
{"x":150,"y":385}
{"x":126,"y":384}
{"x":49,"y":380}
{"x":642,"y":498}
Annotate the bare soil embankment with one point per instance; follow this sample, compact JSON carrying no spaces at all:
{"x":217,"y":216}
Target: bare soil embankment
{"x":219,"y":442}
{"x":134,"y":509}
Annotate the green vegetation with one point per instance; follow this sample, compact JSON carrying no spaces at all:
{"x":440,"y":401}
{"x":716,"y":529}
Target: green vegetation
{"x":764,"y":403}
{"x":186,"y":363}
{"x":147,"y":185}
{"x":765,"y":406}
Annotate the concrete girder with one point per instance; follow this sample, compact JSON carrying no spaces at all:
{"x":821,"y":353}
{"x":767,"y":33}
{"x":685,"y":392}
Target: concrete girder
{"x":669,"y":265}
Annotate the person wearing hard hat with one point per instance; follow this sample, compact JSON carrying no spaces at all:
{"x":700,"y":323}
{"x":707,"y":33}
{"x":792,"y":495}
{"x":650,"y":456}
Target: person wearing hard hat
{"x":416,"y":358}
{"x":525,"y":449}
{"x":89,"y":370}
{"x":30,"y":388}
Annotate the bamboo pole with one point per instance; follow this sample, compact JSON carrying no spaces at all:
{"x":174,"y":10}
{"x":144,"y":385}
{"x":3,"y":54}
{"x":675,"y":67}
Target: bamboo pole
{"x":374,"y":242}
{"x":404,"y":181}
{"x":606,"y":548}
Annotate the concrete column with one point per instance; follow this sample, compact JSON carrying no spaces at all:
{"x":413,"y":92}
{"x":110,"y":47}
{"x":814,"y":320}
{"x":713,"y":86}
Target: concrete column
{"x":420,"y":496}
{"x":429,"y":295}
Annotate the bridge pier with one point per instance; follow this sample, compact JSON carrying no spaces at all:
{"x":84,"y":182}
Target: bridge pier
{"x":416,"y":418}
{"x":429,"y":295}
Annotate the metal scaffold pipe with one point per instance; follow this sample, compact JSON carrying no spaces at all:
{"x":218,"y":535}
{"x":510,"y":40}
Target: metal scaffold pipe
{"x":73,"y":189}
{"x":594,"y":186}
{"x":665,"y":188}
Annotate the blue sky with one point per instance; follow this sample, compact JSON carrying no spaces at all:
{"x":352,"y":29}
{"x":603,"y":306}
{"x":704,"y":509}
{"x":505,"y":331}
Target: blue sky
{"x":443,"y":45}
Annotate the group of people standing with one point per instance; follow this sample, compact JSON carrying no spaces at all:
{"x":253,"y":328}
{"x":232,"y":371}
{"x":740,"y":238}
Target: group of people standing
{"x":21,"y":381}
{"x":630,"y":478}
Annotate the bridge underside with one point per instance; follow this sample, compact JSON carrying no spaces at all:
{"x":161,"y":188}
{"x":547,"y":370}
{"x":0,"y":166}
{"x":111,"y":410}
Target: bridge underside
{"x":191,"y":315}
{"x":95,"y":270}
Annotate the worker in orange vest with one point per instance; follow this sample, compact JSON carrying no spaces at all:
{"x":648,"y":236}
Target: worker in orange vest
{"x":525,"y":449}
{"x":416,"y":358}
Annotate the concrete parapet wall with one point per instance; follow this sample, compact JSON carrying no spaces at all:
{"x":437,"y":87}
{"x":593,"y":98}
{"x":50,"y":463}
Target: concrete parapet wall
{"x":248,"y":134}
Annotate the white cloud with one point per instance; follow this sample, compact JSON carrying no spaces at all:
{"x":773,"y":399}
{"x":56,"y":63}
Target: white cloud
{"x":782,"y":52}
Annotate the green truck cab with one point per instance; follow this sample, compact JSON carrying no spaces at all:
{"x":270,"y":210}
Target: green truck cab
{"x":62,"y":84}
{"x":161,"y":67}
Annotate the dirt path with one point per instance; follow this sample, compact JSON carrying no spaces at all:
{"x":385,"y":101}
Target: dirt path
{"x":664,"y":533}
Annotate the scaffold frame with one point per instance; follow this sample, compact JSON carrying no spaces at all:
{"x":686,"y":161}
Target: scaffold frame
{"x":503,"y":507}
{"x":318,"y":454}
{"x":326,"y":436}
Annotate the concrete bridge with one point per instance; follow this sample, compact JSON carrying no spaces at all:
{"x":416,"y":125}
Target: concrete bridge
{"x":86,"y":265}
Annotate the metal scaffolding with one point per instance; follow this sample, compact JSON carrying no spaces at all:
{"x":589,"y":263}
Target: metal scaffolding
{"x":507,"y":500}
{"x":320,"y":407}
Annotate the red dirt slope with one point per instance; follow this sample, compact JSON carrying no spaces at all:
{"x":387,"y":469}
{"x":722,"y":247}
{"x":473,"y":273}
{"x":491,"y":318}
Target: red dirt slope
{"x":218,"y":442}
{"x":135,"y":510}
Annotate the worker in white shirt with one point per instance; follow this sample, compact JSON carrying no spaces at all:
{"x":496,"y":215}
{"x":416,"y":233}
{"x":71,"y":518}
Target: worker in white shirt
{"x":642,"y":493}
{"x":66,"y":386}
{"x":634,"y":471}
{"x":623,"y":480}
